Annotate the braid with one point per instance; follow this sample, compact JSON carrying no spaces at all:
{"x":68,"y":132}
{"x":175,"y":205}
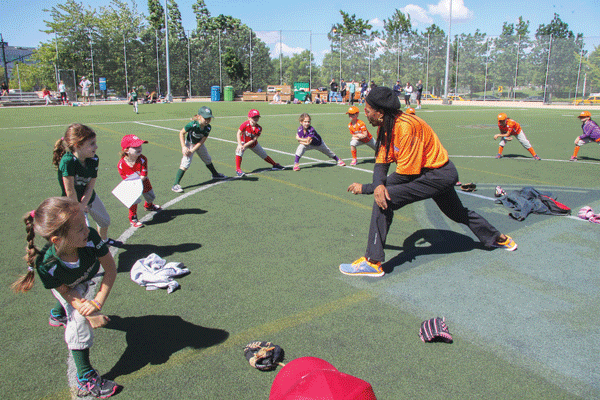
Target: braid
{"x":25,"y":282}
{"x":384,"y":132}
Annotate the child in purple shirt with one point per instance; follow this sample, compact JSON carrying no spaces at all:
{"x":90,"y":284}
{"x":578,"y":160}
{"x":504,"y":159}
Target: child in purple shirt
{"x":591,"y":133}
{"x":309,"y":139}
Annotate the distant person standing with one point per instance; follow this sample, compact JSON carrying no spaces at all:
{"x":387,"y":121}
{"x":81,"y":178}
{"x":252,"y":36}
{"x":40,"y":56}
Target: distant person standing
{"x":62,"y":89}
{"x":408,"y":89}
{"x":419,"y":90}
{"x":333,"y":89}
{"x":351,"y":91}
{"x":85,"y":84}
{"x":591,"y":133}
{"x":133,"y":99}
{"x":363,"y":91}
{"x":397,"y":89}
{"x":343,"y":89}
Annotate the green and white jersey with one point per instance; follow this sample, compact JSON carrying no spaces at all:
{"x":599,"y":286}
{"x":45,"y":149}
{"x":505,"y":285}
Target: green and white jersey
{"x":195,"y":132}
{"x":134,"y":96}
{"x":53,"y":272}
{"x":82,"y":173}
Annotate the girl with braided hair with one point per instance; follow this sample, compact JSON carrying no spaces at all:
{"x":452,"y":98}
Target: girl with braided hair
{"x":423,"y":170}
{"x":66,"y":265}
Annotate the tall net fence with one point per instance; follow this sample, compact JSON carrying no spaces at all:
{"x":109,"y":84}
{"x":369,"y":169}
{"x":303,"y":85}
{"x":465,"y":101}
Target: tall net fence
{"x":478,"y":66}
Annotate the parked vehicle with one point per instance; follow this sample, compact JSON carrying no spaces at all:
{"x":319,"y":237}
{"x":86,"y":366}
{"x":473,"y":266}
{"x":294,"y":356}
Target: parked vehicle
{"x":534,"y":98}
{"x":429,"y":97}
{"x":589,"y":100}
{"x":455,"y":98}
{"x":488,"y":97}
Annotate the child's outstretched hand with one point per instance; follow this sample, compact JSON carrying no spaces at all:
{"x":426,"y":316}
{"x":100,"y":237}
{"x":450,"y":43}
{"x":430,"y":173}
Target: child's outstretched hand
{"x":97,"y":320}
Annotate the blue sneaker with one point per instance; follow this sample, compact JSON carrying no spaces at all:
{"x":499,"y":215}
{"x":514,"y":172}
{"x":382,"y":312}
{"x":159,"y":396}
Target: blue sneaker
{"x":362,"y":267}
{"x":94,"y":385}
{"x":240,"y":173}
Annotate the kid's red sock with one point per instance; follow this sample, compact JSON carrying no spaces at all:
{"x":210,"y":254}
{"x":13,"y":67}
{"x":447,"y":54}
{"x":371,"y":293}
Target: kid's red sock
{"x":238,"y":163}
{"x":270,"y":160}
{"x":132,"y":211}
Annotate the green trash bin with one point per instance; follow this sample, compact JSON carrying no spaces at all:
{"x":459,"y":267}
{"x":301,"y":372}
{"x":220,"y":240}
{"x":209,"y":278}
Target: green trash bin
{"x":228,"y":93}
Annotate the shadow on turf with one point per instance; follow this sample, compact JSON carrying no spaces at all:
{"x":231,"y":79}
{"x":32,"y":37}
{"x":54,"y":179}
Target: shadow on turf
{"x":426,"y":242}
{"x":169,"y":214}
{"x":132,"y":252}
{"x":152,"y":339}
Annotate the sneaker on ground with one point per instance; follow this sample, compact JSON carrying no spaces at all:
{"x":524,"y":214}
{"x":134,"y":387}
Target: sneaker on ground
{"x":536,"y":157}
{"x":498,"y":155}
{"x":341,"y":163}
{"x":219,"y":176}
{"x":97,"y":386}
{"x":508,"y":245}
{"x":573,"y":158}
{"x":362,"y":267}
{"x":240,"y":173}
{"x":153,"y":207}
{"x":296,"y":167}
{"x":499,"y":192}
{"x":57,"y":320}
{"x":135,"y":223}
{"x":353,"y":162}
{"x":113,"y":242}
{"x":177,"y":189}
{"x":278,"y":167}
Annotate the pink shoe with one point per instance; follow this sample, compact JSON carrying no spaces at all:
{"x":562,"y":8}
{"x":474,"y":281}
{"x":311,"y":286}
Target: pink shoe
{"x":353,"y":162}
{"x":296,"y":167}
{"x":341,"y":163}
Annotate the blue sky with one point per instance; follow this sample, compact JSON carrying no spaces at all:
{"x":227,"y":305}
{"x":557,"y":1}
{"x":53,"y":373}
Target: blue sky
{"x":309,"y":20}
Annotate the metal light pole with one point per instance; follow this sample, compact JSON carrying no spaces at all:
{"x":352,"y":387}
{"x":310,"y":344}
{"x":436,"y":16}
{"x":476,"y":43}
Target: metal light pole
{"x":169,"y":95}
{"x":448,"y":56}
{"x":189,"y":68}
{"x":125,"y":61}
{"x":157,"y":66}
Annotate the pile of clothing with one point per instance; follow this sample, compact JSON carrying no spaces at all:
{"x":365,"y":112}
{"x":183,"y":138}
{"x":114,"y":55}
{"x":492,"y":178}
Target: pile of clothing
{"x":529,"y":200}
{"x":154,"y":273}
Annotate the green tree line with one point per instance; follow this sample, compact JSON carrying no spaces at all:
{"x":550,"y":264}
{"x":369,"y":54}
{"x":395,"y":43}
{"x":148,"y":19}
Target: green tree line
{"x":119,"y":43}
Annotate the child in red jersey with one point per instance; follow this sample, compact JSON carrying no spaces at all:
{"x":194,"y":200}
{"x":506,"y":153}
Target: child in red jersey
{"x":132,"y":160}
{"x":247,"y":138}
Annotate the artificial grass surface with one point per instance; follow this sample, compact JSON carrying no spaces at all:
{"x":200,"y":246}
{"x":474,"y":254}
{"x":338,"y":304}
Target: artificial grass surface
{"x":264,"y":252}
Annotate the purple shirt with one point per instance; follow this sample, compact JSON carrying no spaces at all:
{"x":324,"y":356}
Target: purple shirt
{"x":590,"y":130}
{"x":312,"y":133}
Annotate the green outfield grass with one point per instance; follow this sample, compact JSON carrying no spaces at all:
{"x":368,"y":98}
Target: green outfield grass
{"x":264,"y":254}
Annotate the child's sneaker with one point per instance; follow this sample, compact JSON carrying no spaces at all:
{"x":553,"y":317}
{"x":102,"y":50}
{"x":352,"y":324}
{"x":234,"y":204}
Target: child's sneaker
{"x":96,"y":386}
{"x":219,"y":175}
{"x":508,"y":244}
{"x":499,"y":192}
{"x":240,"y":173}
{"x":362,"y":267}
{"x":296,"y":167}
{"x":573,"y":158}
{"x":177,"y":189}
{"x":57,"y":320}
{"x":536,"y":157}
{"x":498,"y":155}
{"x":353,"y":162}
{"x":278,"y":167}
{"x":113,"y":242}
{"x":152,"y":207}
{"x":341,"y":163}
{"x":135,"y":223}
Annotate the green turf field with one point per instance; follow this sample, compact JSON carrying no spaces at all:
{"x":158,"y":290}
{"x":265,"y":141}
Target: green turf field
{"x":264,"y":254}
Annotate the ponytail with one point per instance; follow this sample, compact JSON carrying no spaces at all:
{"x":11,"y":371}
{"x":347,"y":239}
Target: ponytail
{"x":59,"y":151}
{"x":25,"y":282}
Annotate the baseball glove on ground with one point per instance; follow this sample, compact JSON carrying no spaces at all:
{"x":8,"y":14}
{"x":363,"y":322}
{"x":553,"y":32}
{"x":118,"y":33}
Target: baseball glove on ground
{"x":468,"y":187}
{"x":435,"y":330}
{"x":264,"y":356}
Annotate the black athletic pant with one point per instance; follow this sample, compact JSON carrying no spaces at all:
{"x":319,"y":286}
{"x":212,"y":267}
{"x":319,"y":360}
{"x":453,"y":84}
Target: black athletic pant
{"x":437,"y":184}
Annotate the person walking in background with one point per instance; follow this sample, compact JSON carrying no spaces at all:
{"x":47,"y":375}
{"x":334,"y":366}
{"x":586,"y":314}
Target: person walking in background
{"x":85,"y":84}
{"x":397,"y":89}
{"x":342,"y":90}
{"x":333,"y":90}
{"x":419,"y":90}
{"x":133,"y":99}
{"x":591,"y":133}
{"x":192,"y":138}
{"x":509,"y":128}
{"x":247,"y":138}
{"x":309,"y":139}
{"x":351,"y":91}
{"x":408,"y":89}
{"x":62,"y":89}
{"x":423,"y":170}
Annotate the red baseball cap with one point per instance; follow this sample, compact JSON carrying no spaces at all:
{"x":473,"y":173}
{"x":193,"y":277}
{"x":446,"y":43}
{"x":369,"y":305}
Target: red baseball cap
{"x":314,"y":378}
{"x":131,"y":141}
{"x":253,"y":113}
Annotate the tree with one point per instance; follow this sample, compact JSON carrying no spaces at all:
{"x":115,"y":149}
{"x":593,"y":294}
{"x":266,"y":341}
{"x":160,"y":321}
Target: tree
{"x":397,"y":34}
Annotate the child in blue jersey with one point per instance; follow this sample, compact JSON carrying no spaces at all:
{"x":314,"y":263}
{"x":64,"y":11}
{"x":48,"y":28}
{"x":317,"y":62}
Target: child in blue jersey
{"x":309,"y":139}
{"x":66,"y":265}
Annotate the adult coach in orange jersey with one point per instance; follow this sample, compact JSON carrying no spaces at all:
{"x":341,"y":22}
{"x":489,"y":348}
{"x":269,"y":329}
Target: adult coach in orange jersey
{"x":509,"y":128}
{"x":423,"y":171}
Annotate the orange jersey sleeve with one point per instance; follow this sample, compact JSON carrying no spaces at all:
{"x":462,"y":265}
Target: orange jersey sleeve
{"x":512,"y":127}
{"x":360,"y":127}
{"x":414,"y":146}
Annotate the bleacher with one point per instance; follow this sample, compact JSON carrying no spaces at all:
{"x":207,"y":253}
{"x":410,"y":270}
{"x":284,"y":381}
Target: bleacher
{"x":24,"y":99}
